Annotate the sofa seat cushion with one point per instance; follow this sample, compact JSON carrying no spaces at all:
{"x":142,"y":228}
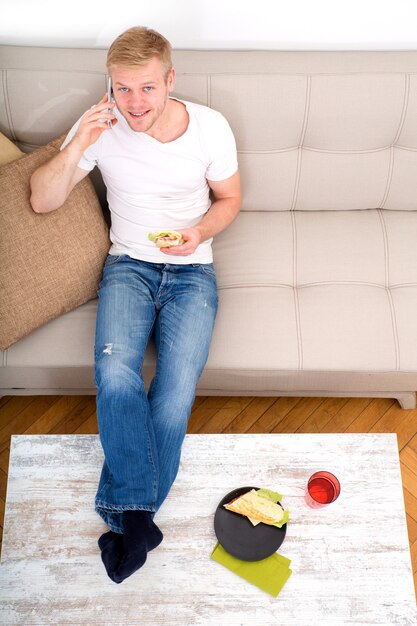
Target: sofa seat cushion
{"x":51,"y":263}
{"x":317,"y":291}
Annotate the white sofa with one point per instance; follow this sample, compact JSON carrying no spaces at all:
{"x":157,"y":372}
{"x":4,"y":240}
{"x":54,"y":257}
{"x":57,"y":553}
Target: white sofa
{"x":318,"y":275}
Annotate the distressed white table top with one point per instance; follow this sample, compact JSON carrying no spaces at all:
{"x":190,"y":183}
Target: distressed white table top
{"x":350,"y":561}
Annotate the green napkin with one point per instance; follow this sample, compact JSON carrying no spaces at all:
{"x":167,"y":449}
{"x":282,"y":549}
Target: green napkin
{"x":270,"y":574}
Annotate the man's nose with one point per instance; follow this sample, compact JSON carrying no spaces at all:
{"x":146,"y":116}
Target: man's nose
{"x":137,"y":99}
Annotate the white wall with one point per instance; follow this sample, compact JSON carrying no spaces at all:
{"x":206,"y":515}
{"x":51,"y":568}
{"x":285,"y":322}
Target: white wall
{"x":236,"y":24}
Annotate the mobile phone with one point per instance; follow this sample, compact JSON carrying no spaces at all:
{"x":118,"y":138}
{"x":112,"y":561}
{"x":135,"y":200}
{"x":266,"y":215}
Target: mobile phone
{"x":109,"y":98}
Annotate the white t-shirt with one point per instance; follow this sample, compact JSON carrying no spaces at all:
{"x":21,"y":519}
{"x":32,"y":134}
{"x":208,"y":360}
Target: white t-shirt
{"x":153,"y":186}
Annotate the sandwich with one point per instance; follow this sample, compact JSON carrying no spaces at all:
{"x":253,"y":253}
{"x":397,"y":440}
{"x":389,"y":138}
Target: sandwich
{"x":259,"y":508}
{"x":166,"y":238}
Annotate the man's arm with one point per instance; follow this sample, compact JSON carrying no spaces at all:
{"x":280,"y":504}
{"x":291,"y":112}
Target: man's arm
{"x":226,"y":206}
{"x":52,"y":182}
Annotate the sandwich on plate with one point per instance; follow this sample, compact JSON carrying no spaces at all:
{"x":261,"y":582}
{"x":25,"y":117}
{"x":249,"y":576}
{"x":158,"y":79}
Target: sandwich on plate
{"x":260,"y":506}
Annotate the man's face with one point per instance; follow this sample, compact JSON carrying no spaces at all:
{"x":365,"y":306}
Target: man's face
{"x":141,"y":94}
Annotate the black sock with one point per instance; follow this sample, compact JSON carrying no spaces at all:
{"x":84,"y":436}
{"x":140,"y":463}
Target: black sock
{"x":141,"y":535}
{"x":111,"y":546}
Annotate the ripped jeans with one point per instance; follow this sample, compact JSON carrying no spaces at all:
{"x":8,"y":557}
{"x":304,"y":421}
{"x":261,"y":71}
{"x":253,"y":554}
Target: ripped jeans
{"x":142,"y":432}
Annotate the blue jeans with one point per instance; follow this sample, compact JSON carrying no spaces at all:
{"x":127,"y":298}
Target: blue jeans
{"x":142,"y":432}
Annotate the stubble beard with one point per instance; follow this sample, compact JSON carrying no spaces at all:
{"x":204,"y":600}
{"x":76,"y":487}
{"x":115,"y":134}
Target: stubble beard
{"x":149,"y":120}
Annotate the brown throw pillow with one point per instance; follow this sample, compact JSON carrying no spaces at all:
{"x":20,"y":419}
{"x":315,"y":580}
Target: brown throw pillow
{"x":50,"y":263}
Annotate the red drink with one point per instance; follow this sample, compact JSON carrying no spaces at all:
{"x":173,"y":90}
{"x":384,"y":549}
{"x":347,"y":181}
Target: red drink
{"x":323,"y":488}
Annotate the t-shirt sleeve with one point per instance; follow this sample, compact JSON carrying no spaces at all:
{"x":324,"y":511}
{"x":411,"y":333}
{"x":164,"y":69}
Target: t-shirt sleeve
{"x":222,"y":150}
{"x":88,"y":160}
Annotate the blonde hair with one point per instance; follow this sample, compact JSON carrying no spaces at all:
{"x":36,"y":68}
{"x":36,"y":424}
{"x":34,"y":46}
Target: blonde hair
{"x":137,"y":46}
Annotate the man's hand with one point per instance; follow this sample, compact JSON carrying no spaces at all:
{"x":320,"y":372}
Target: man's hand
{"x":226,"y":206}
{"x":192,"y":239}
{"x":93,"y":123}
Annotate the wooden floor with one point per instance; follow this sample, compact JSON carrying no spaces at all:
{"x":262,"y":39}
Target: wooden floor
{"x":76,"y":414}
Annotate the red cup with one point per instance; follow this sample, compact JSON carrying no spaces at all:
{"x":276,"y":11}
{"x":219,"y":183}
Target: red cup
{"x":322,"y":489}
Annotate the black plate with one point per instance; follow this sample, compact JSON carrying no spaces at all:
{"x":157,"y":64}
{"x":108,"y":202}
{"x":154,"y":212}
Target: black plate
{"x":239,"y":537}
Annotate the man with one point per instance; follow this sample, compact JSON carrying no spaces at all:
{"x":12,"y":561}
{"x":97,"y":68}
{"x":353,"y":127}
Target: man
{"x":160,"y":157}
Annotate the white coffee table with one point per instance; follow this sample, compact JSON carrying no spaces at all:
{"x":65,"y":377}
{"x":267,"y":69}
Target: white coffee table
{"x":350,"y":561}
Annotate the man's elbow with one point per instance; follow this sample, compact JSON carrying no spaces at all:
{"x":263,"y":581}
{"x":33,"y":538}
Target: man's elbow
{"x":35,"y":201}
{"x":37,"y":198}
{"x":39,"y":206}
{"x":35,"y":204}
{"x":237,"y":203}
{"x":39,"y":203}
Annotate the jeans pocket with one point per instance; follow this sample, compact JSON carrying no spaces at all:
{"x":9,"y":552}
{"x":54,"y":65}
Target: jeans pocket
{"x":112,"y":259}
{"x":206,"y":268}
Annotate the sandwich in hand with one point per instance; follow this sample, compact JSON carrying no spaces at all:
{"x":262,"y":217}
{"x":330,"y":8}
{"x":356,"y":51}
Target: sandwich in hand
{"x":259,"y":508}
{"x":166,"y":238}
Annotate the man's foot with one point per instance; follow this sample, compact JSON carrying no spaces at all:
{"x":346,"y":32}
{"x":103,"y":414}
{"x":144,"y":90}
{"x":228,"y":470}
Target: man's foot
{"x":123,"y":555}
{"x":111,"y":546}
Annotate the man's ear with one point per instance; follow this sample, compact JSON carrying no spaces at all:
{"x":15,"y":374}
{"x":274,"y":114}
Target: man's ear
{"x":171,"y":80}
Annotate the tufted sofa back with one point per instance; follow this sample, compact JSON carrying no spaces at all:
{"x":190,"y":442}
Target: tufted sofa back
{"x":315,"y":130}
